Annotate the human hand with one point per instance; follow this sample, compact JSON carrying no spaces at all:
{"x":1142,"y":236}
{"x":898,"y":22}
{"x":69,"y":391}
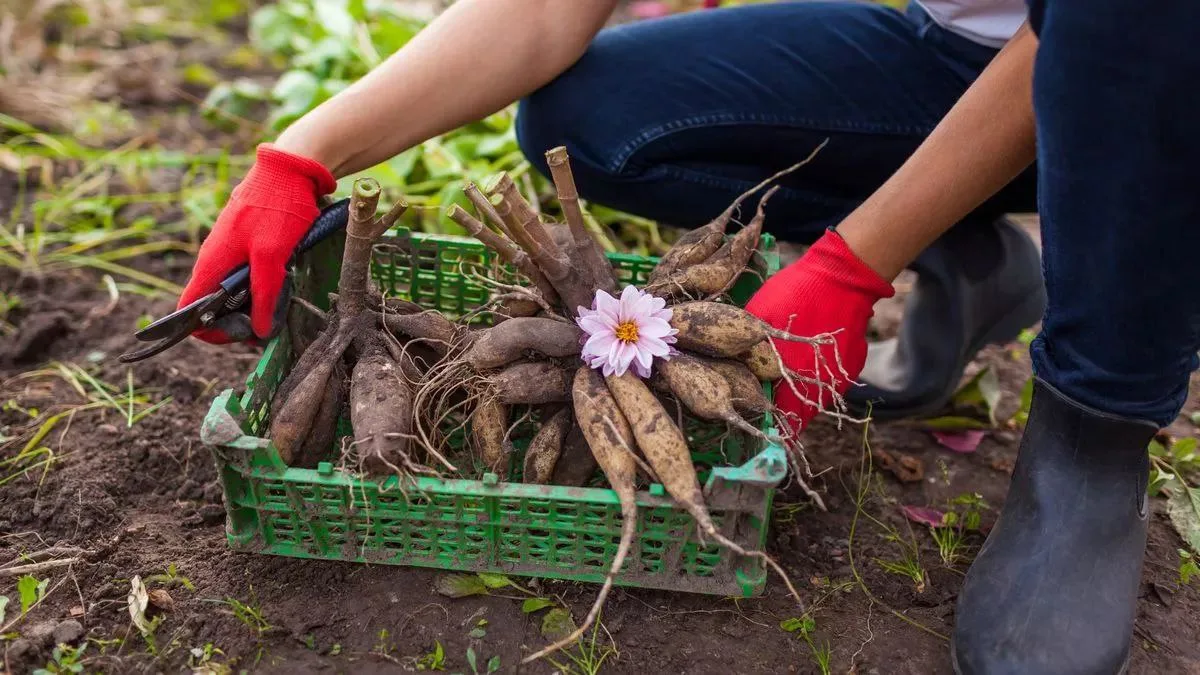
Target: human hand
{"x":828,"y":290}
{"x":267,"y":215}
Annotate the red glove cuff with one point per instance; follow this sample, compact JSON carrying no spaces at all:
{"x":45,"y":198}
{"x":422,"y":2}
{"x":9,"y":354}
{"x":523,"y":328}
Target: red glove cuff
{"x":278,"y":170}
{"x":832,"y":255}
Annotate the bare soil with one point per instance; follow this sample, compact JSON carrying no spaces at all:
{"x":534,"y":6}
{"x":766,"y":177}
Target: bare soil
{"x":140,"y":499}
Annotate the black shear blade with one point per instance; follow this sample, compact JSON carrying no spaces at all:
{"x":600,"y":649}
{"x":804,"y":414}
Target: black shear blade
{"x":182,"y":320}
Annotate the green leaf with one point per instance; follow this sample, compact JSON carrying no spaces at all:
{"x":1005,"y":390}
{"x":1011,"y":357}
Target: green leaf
{"x":200,"y":75}
{"x":30,"y":590}
{"x":434,"y":660}
{"x":1158,"y":480}
{"x":477,"y":633}
{"x":471,"y":659}
{"x":1195,"y":418}
{"x":3,"y":607}
{"x":1187,"y":568}
{"x":1184,"y":450}
{"x":1021,"y":416}
{"x":952,"y":423}
{"x":401,"y":165}
{"x":1183,"y":506}
{"x":557,"y":623}
{"x":791,"y":625}
{"x":459,"y":585}
{"x":801,"y":624}
{"x":492,"y":580}
{"x":532,"y":605}
{"x":498,"y":145}
{"x":983,"y":390}
{"x":493,"y":664}
{"x":334,"y":16}
{"x":271,"y":29}
{"x":296,"y":92}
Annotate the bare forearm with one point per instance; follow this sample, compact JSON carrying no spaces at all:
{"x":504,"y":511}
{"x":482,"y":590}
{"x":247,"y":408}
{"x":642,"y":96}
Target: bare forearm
{"x":984,"y":142}
{"x":474,"y":59}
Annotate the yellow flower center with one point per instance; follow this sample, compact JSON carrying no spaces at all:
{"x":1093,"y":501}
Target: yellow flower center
{"x":627,"y":331}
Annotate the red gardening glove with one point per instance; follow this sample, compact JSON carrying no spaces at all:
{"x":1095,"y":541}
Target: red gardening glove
{"x":267,"y":215}
{"x":829,"y":289}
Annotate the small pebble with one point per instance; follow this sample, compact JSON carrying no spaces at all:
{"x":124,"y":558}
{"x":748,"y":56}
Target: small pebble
{"x":41,"y":633}
{"x":19,"y":650}
{"x":68,"y":632}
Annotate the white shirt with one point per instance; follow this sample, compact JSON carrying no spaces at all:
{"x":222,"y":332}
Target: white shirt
{"x":988,"y":22}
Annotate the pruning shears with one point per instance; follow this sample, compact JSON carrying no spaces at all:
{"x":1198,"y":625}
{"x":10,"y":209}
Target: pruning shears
{"x":233,"y":295}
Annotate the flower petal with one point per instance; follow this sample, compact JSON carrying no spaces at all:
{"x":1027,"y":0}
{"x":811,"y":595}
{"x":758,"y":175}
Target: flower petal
{"x":643,"y":355}
{"x":655,"y":328}
{"x":625,"y":354}
{"x":629,"y":298}
{"x":654,"y":346}
{"x":642,"y":371}
{"x":599,"y":344}
{"x":596,"y":324}
{"x":608,"y":306}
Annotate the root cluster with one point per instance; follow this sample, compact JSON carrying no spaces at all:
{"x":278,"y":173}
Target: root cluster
{"x":526,"y":363}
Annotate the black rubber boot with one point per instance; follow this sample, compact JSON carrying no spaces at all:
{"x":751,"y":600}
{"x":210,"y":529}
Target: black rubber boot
{"x":1054,"y":589}
{"x":979,"y":284}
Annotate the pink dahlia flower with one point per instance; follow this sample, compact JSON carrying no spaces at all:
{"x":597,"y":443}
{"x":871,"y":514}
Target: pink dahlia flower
{"x":630,"y":331}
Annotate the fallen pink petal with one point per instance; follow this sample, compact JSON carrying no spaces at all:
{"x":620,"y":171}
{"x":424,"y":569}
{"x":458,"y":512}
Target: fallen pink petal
{"x":960,"y":441}
{"x":924,"y":515}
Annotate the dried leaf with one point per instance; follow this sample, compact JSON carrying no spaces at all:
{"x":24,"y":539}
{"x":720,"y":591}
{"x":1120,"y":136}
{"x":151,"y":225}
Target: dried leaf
{"x":906,"y":468}
{"x":960,"y":441}
{"x":161,"y":599}
{"x":924,"y":515}
{"x":557,"y":623}
{"x":459,"y":585}
{"x":138,"y":599}
{"x":76,"y":611}
{"x":1183,"y":506}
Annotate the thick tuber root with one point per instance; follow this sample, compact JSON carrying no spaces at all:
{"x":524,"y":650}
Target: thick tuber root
{"x":704,"y":391}
{"x":489,"y":434}
{"x":507,"y":342}
{"x":663,"y":444}
{"x":611,"y":440}
{"x":716,"y":274}
{"x":381,"y":412}
{"x":745,"y":388}
{"x":546,"y":448}
{"x":724,"y":331}
{"x":532,"y":383}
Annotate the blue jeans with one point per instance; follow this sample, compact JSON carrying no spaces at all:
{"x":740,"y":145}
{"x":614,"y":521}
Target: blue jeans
{"x":1116,"y":98}
{"x":671,"y":119}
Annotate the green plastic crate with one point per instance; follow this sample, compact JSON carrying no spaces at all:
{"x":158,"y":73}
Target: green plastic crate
{"x":481,"y":525}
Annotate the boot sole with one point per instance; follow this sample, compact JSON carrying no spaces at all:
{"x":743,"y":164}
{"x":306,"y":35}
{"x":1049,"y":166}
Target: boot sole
{"x":958,"y":671}
{"x":1006,"y":329}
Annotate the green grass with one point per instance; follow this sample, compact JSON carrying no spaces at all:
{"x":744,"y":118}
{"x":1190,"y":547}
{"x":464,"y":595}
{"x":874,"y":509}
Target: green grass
{"x":32,"y":451}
